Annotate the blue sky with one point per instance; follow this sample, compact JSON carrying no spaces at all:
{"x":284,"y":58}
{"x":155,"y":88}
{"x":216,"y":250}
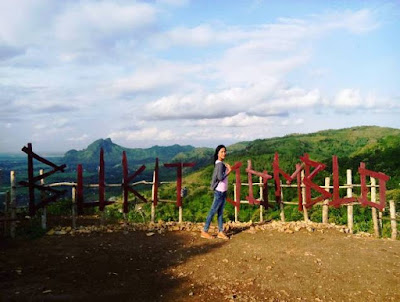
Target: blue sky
{"x":193,"y":72}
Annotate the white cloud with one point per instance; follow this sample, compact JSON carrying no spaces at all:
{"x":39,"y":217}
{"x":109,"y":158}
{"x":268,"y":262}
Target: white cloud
{"x":52,"y":125}
{"x":295,"y":98}
{"x":351,"y":100}
{"x":136,"y":63}
{"x":262,"y":100}
{"x":174,"y":2}
{"x":157,"y":76}
{"x":81,"y":138}
{"x":154,"y":133}
{"x":22,"y":22}
{"x":357,"y":22}
{"x":239,"y":120}
{"x":198,"y":36}
{"x":101,"y":24}
{"x":348,"y":98}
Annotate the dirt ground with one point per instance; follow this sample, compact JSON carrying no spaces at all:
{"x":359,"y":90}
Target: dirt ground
{"x":261,"y":264}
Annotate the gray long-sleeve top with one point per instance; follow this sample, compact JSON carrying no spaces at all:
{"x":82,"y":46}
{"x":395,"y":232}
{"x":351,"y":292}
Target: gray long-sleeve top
{"x":218,"y":174}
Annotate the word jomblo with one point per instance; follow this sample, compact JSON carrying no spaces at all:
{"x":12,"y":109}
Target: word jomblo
{"x":307,"y":182}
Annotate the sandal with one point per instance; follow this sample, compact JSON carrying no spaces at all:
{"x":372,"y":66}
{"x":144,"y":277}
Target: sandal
{"x":221,"y":235}
{"x":206,"y":235}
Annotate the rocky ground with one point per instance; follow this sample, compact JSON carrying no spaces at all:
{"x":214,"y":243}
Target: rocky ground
{"x":274,"y":261}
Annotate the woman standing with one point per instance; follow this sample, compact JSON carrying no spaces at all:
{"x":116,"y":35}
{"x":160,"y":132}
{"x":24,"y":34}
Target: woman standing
{"x":219,"y":184}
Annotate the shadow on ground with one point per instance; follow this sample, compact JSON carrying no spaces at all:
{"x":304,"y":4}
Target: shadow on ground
{"x":98,"y":266}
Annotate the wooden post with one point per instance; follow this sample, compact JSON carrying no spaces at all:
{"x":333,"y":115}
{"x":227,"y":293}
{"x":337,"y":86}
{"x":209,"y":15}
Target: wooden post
{"x":374,"y":210}
{"x":13,"y":203}
{"x":153,"y":191}
{"x":73,"y":209}
{"x":325,"y":207}
{"x":350,"y":221}
{"x":7,"y":211}
{"x":43,"y":197}
{"x":261,"y":200}
{"x":393,"y":222}
{"x":282,"y":213}
{"x":32,"y":207}
{"x":153,"y":212}
{"x":303,"y":193}
{"x":380,"y":215}
{"x":180,"y":214}
{"x":179,"y":188}
{"x":236,"y":215}
{"x":234,"y":198}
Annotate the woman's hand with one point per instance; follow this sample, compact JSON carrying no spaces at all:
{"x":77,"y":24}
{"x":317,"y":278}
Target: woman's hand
{"x":229,"y":169}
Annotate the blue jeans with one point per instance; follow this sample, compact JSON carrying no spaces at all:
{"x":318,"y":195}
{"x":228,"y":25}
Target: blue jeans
{"x":217,"y":207}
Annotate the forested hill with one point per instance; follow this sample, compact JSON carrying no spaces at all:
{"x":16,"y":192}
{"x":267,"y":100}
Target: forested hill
{"x":113,"y":153}
{"x":377,"y":147}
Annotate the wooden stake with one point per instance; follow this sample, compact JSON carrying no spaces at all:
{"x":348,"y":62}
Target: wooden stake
{"x":180,"y":214}
{"x":374,"y":210}
{"x":153,"y":208}
{"x":303,"y":193}
{"x":43,"y":197}
{"x":282,"y":213}
{"x":261,"y":200}
{"x":393,"y":222}
{"x":13,"y":203}
{"x":73,"y":209}
{"x":7,"y":211}
{"x":153,"y":212}
{"x":234,"y":198}
{"x":325,"y":207}
{"x":350,"y":221}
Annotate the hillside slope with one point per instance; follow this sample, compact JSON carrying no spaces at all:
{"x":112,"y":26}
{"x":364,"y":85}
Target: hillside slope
{"x":378,"y":147}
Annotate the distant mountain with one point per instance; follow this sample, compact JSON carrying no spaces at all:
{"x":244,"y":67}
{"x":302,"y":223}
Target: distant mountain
{"x":378,"y":147}
{"x":113,"y":153}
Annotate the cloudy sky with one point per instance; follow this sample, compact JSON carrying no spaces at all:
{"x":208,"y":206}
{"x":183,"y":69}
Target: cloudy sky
{"x":193,"y":72}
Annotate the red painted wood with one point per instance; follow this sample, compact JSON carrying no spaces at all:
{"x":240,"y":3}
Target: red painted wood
{"x":155,"y":185}
{"x":299,"y":194}
{"x":277,"y":172}
{"x":179,"y":167}
{"x":383,"y":178}
{"x":250,"y":197}
{"x":127,"y":179}
{"x":318,"y":167}
{"x":31,"y":184}
{"x":336,"y":200}
{"x":250,"y":172}
{"x":236,"y":202}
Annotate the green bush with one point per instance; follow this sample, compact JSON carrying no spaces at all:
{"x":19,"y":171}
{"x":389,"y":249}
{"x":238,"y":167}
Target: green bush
{"x":61,"y":207}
